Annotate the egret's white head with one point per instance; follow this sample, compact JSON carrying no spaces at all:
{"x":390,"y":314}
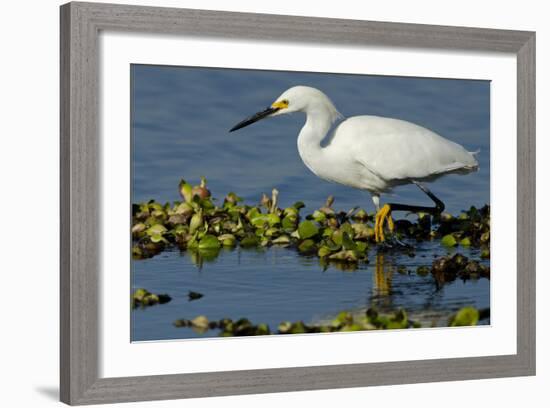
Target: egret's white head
{"x":303,"y":99}
{"x":296,"y":99}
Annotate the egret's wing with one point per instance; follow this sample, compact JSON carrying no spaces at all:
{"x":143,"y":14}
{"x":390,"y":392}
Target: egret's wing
{"x":394,"y":149}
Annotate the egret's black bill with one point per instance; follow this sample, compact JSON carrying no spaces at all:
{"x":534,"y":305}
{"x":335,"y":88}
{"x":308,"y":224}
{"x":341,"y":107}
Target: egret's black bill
{"x":254,"y":118}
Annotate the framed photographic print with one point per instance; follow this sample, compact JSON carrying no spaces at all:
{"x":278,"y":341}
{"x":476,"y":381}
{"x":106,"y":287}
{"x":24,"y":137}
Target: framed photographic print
{"x":260,"y":203}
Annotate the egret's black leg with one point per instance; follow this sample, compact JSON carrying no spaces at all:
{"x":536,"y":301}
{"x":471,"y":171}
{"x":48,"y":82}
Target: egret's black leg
{"x":438,"y":209}
{"x":384,"y":214}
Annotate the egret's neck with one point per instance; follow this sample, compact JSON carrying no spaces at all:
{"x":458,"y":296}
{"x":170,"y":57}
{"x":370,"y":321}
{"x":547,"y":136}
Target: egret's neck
{"x":318,"y":123}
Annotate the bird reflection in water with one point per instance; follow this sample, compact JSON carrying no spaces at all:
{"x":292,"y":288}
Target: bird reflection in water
{"x":382,"y":285}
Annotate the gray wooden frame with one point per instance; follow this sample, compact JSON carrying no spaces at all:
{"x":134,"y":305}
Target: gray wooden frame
{"x":80,"y":26}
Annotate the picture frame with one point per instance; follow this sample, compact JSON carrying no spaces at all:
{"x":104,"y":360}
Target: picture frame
{"x":81,"y":24}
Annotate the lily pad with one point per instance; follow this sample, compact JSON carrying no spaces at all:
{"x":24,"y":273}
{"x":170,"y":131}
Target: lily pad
{"x":157,"y":229}
{"x":307,"y":229}
{"x":337,"y":237}
{"x":200,"y":322}
{"x":467,"y":316}
{"x":465,"y":242}
{"x":289,"y":222}
{"x":319,"y":216}
{"x":282,"y":240}
{"x":347,"y":242}
{"x":209,"y":242}
{"x":361,"y":247}
{"x":143,"y":298}
{"x":184,"y":209}
{"x":138,"y":228}
{"x":156,"y":238}
{"x":306,"y":246}
{"x":449,"y":241}
{"x":324,"y":251}
{"x":227,"y":240}
{"x":249,"y":241}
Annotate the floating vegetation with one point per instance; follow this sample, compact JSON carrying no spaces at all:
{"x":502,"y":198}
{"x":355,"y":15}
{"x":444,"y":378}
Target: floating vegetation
{"x":197,"y":224}
{"x":468,"y":316}
{"x":422,"y":271}
{"x":143,"y":298}
{"x":449,"y":268}
{"x":345,"y":321}
{"x":470,"y":229}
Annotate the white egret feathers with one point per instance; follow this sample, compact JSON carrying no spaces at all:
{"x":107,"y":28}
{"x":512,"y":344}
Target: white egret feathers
{"x":370,"y":153}
{"x":306,"y":99}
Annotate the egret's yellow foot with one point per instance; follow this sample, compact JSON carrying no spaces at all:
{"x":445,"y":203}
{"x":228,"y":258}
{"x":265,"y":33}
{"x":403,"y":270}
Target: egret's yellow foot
{"x":383,"y":215}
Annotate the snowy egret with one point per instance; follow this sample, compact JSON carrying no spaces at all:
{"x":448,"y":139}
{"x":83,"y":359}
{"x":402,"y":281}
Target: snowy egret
{"x":370,"y":153}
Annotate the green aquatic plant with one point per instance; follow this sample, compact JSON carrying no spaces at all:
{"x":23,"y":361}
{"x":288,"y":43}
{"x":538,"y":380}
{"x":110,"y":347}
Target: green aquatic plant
{"x":143,"y":298}
{"x":307,"y":229}
{"x":345,"y":321}
{"x":449,"y":240}
{"x":448,"y":268}
{"x":470,"y":228}
{"x":199,"y":224}
{"x":467,"y":316}
{"x":423,"y":270}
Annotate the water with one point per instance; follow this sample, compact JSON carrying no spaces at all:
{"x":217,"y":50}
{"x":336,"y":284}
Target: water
{"x":180,"y":123}
{"x":274,"y":285}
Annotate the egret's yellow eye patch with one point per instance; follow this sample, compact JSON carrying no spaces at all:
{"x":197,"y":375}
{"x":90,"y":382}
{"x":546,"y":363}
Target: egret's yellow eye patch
{"x":280,"y":104}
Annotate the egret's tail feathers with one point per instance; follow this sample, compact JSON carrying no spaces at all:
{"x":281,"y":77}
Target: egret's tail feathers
{"x":474,"y":165}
